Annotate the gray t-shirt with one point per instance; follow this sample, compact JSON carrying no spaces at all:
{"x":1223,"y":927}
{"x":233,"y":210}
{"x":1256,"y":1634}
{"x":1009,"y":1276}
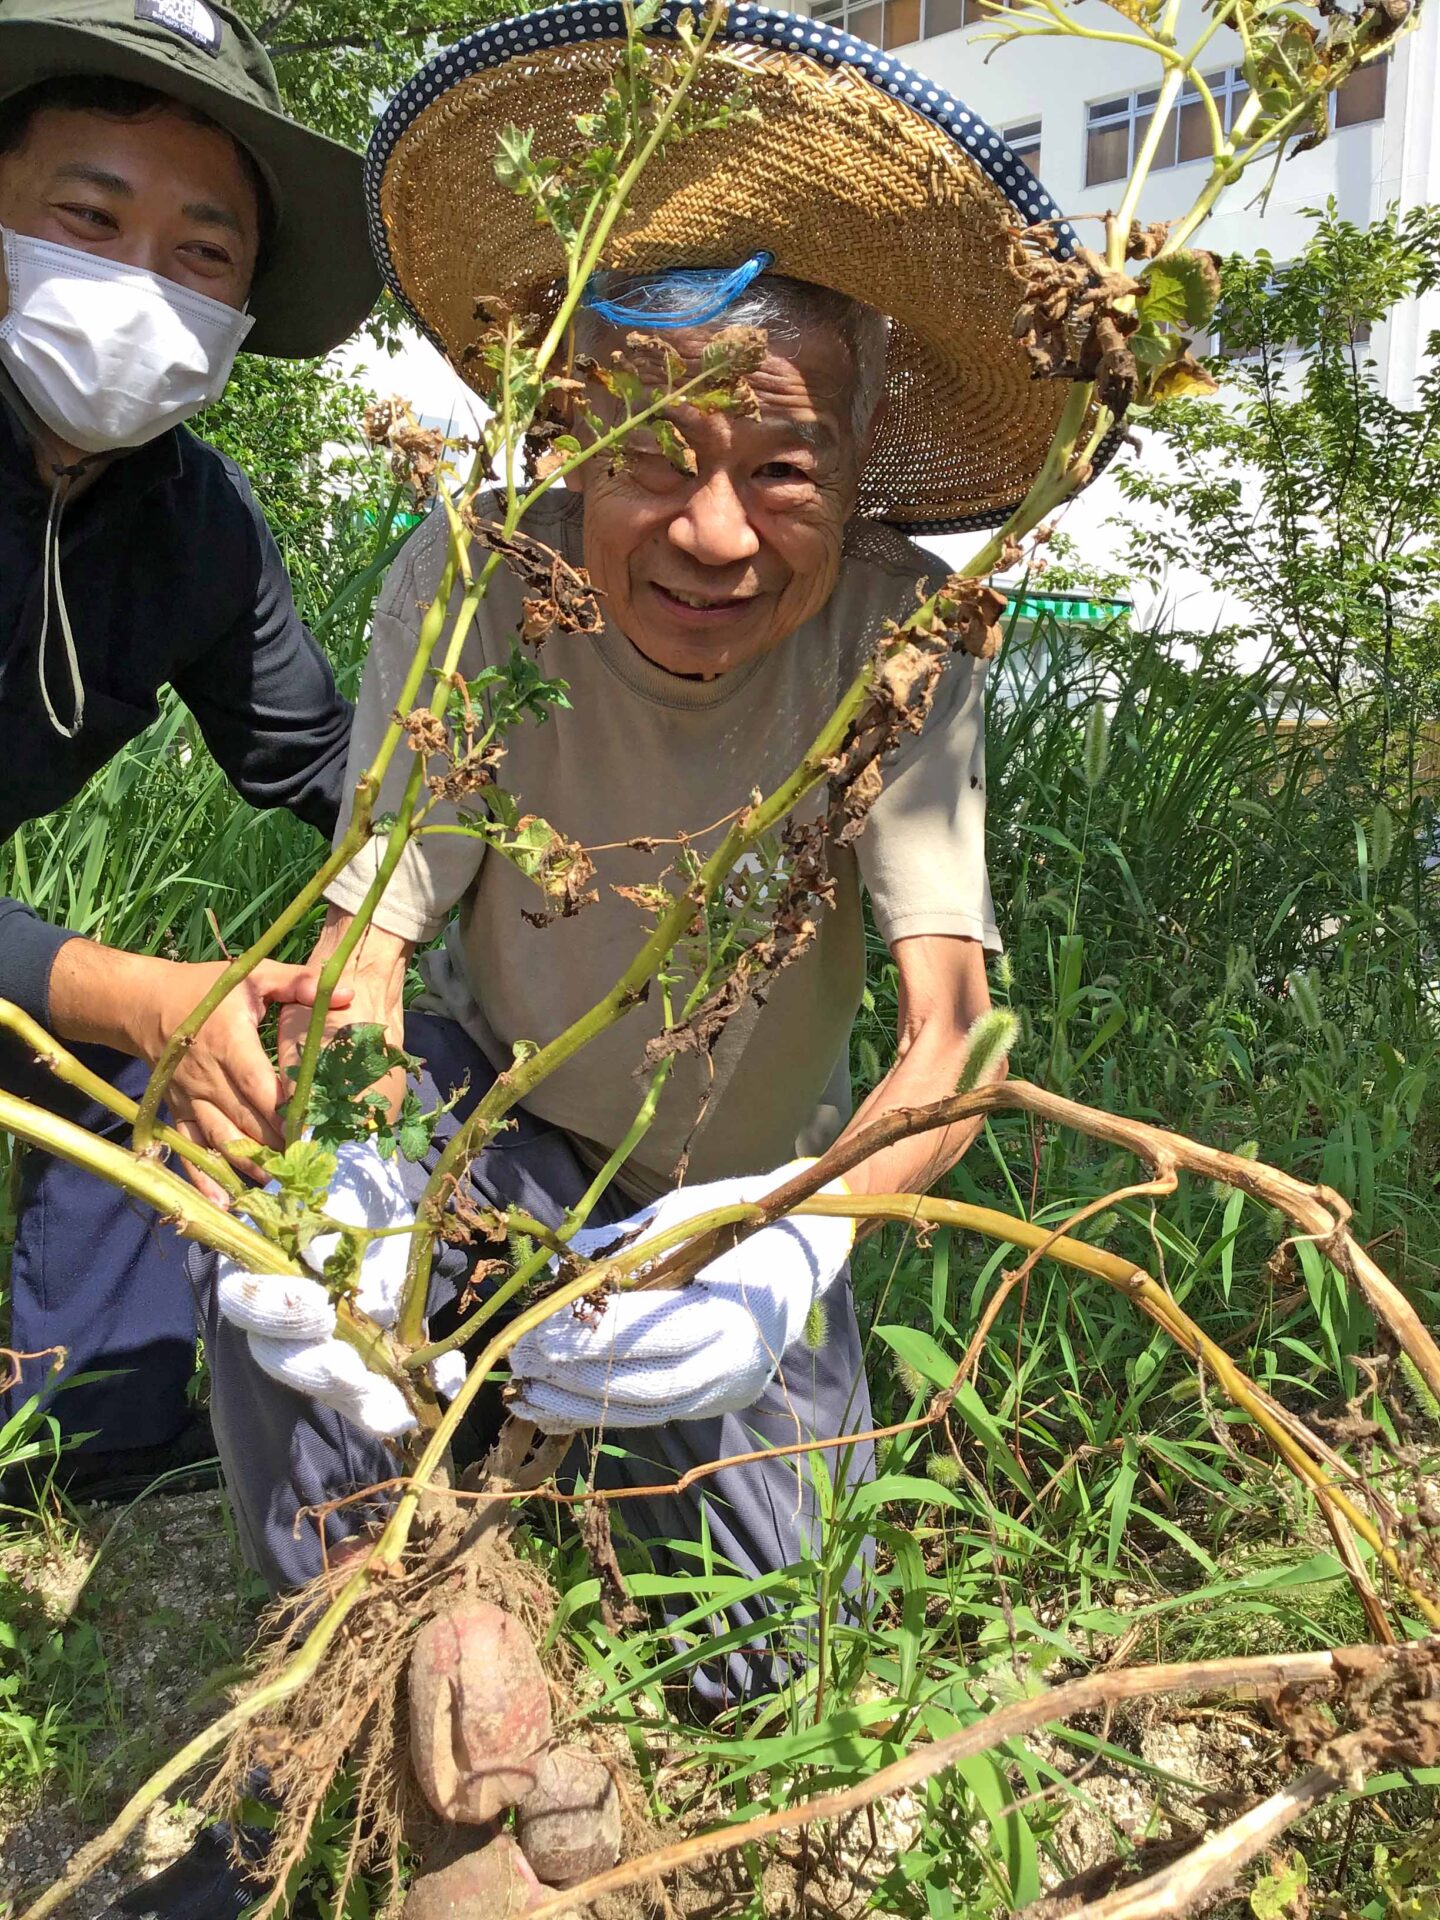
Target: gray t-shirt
{"x":644,"y":753}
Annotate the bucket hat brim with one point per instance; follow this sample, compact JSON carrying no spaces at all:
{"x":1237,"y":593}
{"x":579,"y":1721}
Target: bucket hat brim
{"x":859,"y":174}
{"x":319,"y":279}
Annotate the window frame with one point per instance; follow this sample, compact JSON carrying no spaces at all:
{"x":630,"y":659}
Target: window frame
{"x":1014,"y":137}
{"x":839,"y":13}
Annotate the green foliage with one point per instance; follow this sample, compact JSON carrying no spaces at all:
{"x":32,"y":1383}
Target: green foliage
{"x":335,"y":58}
{"x":1281,"y":1892}
{"x":343,"y":1104}
{"x":1310,"y":495}
{"x":291,"y":427}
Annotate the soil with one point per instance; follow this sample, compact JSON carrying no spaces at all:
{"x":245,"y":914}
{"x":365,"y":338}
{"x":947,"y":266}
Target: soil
{"x":171,"y":1608}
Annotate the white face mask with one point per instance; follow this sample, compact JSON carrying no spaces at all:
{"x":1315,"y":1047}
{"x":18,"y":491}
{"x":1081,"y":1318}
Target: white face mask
{"x":109,"y":355}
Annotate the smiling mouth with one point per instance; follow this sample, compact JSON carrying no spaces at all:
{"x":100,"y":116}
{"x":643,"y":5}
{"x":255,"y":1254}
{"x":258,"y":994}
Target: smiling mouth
{"x":703,"y":603}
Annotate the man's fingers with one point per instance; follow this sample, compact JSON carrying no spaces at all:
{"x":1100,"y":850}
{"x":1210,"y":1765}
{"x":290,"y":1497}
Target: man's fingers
{"x":233,"y":1134}
{"x":280,"y":985}
{"x":201,"y":1182}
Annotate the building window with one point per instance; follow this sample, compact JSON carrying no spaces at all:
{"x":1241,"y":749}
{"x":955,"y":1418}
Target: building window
{"x":898,"y":23}
{"x":1115,"y":128}
{"x":1024,"y":142}
{"x":1361,"y":97}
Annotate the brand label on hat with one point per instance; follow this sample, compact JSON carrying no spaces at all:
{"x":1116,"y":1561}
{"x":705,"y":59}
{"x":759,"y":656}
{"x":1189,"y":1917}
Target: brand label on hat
{"x":191,"y":19}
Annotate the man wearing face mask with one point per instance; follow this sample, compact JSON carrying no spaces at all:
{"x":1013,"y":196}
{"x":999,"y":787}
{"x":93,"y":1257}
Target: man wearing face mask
{"x":158,"y":211}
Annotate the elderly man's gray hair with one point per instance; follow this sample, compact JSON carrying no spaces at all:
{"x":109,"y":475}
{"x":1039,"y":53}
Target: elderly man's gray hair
{"x":787,"y":309}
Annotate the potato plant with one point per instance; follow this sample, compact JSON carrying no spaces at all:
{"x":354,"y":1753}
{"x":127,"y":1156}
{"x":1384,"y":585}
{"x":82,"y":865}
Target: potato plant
{"x":470,"y":1749}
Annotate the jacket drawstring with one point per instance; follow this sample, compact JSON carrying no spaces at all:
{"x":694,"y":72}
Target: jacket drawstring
{"x":59,"y":494}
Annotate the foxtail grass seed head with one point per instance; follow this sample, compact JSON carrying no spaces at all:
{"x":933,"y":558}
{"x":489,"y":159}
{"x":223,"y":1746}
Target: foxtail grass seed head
{"x":1097,"y":746}
{"x":817,"y":1326}
{"x":1304,"y":990}
{"x":993,"y":1036}
{"x":1247,"y":1150}
{"x":1004,"y":973}
{"x":943,"y":1469}
{"x":912,"y":1380}
{"x":867,"y":1058}
{"x":1382,"y":837}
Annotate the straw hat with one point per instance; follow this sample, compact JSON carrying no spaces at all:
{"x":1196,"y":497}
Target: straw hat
{"x":861,"y":175}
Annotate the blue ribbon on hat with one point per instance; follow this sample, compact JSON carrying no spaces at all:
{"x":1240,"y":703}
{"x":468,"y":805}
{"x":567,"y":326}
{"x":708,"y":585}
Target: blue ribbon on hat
{"x":713,"y":289}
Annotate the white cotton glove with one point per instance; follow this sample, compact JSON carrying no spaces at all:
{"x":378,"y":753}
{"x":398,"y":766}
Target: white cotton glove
{"x":290,"y":1321}
{"x":711,"y":1346}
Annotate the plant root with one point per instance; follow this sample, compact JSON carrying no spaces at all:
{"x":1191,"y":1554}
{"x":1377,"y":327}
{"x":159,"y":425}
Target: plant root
{"x":352,"y":1719}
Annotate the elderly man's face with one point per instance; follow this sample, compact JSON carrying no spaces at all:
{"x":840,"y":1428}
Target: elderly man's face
{"x":703,"y":572}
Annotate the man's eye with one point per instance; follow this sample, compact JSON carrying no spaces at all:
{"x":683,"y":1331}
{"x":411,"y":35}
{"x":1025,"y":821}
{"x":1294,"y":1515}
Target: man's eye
{"x":212,"y":256}
{"x":88,"y":216}
{"x":781,"y":470}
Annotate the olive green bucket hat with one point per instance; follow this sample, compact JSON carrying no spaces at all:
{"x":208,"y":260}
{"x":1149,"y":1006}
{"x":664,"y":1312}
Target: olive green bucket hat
{"x":318,"y":280}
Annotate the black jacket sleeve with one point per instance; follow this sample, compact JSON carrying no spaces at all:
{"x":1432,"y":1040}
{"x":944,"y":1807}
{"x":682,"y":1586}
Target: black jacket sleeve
{"x":264,"y":696}
{"x":28,"y":946}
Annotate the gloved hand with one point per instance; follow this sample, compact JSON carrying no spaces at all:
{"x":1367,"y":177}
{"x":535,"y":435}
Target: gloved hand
{"x":290,"y":1321}
{"x":708,"y":1347}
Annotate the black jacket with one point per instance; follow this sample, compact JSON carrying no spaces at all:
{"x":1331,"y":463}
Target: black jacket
{"x":170,"y":575}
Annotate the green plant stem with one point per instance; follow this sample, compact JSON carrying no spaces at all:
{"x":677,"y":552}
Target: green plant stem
{"x":1120,"y":225}
{"x":406,"y":821}
{"x":297,"y":1107}
{"x":173,"y":1198}
{"x":179,"y":1043}
{"x":71,"y":1072}
{"x":590,"y":255}
{"x":573,"y":1221}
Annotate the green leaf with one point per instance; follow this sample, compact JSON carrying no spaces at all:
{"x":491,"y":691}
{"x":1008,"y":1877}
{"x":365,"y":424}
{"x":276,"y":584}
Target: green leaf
{"x":413,"y":1127}
{"x":1281,"y":1892}
{"x":513,"y":163}
{"x":1180,"y":290}
{"x":302,"y":1172}
{"x":343,"y":1105}
{"x":673,"y":445}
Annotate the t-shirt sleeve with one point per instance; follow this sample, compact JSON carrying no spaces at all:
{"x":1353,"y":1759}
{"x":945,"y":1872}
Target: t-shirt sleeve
{"x":435,"y":871}
{"x":922,"y":851}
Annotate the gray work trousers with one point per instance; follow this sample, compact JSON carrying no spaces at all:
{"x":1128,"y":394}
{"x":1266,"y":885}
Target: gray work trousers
{"x":283,"y":1453}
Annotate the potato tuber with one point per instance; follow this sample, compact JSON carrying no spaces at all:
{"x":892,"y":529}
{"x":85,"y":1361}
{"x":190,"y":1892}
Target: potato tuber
{"x":490,"y":1883}
{"x":479,"y":1711}
{"x":569,"y":1820}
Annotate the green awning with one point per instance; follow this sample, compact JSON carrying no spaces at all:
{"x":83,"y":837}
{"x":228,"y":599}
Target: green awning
{"x":1077,"y":607}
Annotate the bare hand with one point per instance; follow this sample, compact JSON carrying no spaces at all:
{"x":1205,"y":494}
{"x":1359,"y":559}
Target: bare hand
{"x":225,"y":1093}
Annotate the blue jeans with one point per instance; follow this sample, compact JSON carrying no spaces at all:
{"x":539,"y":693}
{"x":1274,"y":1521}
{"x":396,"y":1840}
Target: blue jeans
{"x":284,"y":1454}
{"x":96,"y":1273}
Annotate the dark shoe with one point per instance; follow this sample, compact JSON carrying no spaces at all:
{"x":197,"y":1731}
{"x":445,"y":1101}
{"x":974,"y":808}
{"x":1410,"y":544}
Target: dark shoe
{"x":203,"y":1884}
{"x":112,"y":1477}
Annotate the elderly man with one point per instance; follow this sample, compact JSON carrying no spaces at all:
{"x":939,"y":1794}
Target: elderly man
{"x":740,"y":599}
{"x":158,"y":210}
